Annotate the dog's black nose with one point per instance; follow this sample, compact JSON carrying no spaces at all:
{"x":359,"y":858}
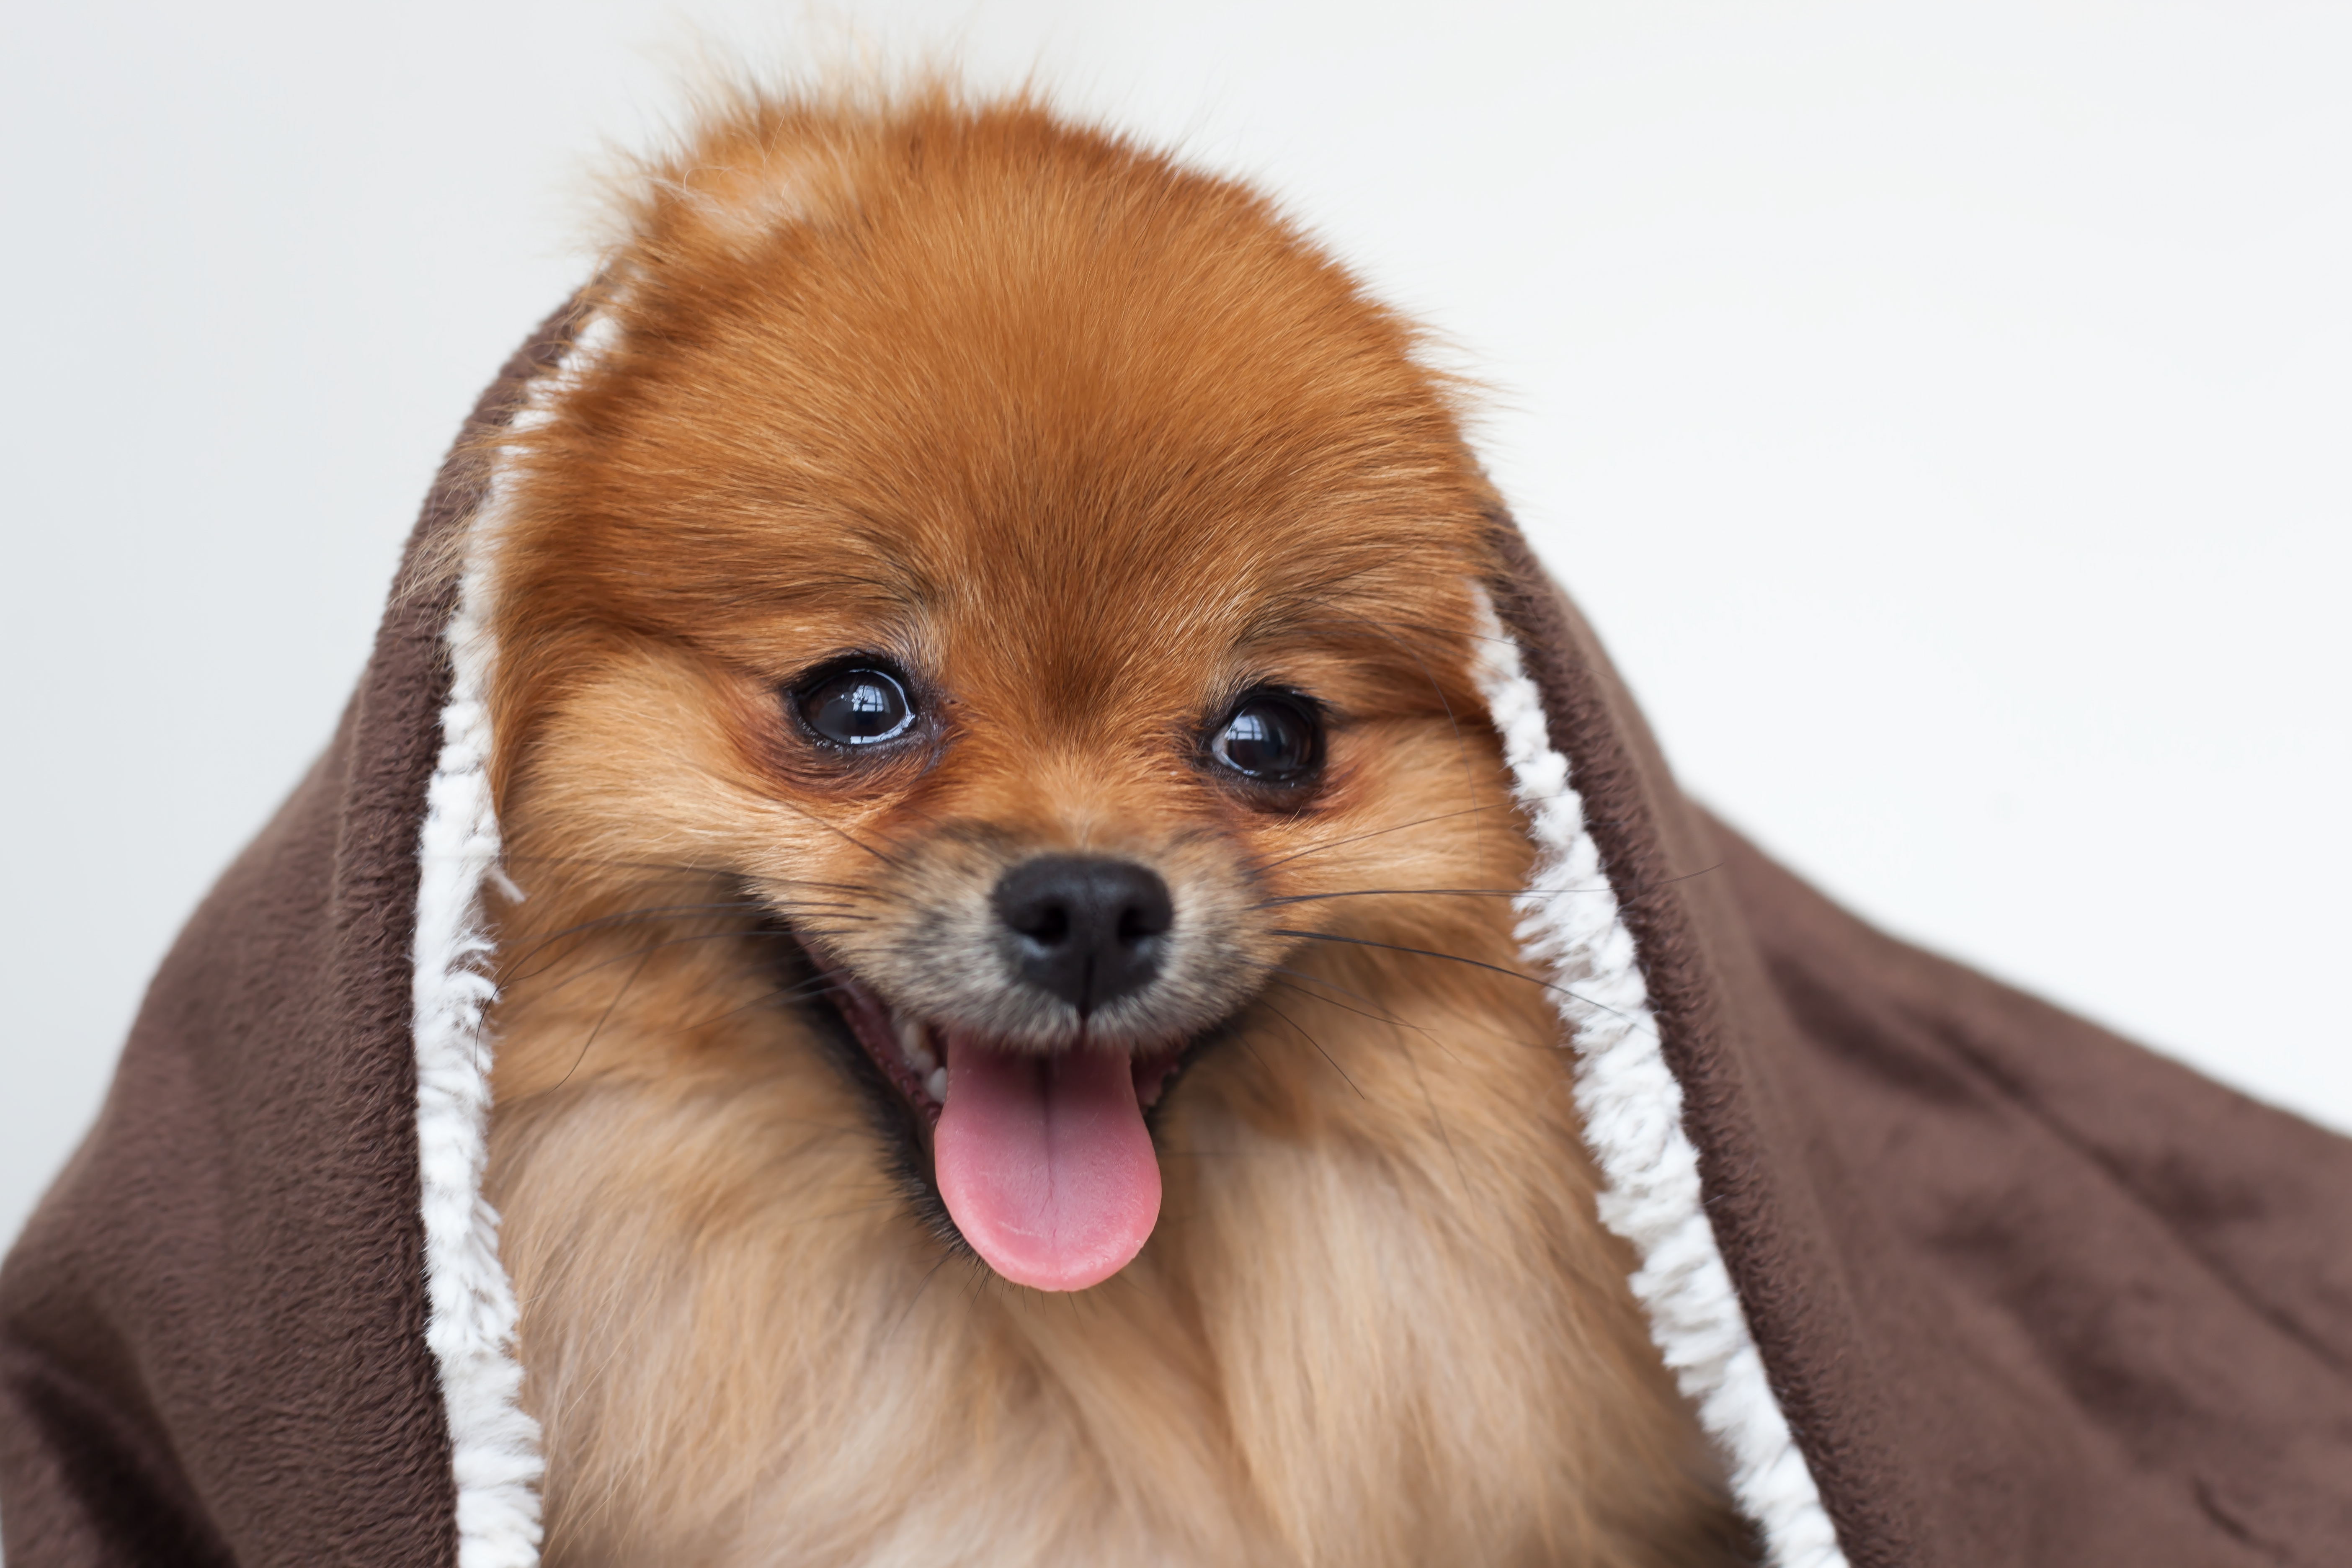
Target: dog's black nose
{"x":1086,"y":928}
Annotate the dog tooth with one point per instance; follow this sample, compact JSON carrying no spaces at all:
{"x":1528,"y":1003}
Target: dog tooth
{"x":936,"y":1085}
{"x":910,"y":1043}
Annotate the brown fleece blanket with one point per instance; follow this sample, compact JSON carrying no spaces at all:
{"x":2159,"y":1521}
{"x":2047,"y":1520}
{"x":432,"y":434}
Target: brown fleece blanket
{"x":2025,"y":1294}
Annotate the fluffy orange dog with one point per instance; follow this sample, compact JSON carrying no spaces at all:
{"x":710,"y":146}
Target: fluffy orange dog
{"x":1009,"y":1053}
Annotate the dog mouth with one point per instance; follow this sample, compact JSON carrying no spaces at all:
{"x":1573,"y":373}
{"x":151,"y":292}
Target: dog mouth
{"x":1042,"y":1160}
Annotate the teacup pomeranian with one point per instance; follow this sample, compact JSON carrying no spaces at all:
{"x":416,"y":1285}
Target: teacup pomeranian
{"x":1011,"y":1048}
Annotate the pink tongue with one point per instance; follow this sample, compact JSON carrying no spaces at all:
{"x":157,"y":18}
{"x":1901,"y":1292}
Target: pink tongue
{"x":1045,"y":1163}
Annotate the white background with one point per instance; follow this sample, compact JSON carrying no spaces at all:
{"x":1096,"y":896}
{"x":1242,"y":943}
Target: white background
{"x":1941,"y":409}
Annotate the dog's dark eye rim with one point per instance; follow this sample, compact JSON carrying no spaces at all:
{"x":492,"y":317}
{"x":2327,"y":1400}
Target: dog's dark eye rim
{"x":859,"y":702}
{"x":1270,"y":736}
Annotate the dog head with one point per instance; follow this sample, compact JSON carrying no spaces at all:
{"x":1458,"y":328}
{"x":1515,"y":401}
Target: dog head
{"x":1028,"y":568}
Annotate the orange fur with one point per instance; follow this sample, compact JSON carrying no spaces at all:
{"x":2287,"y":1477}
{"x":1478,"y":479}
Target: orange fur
{"x":1086,"y":441}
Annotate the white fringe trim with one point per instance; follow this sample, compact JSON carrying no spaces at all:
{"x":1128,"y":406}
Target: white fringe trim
{"x":1633,"y":1110}
{"x":470,"y":1327}
{"x":494,"y":1445}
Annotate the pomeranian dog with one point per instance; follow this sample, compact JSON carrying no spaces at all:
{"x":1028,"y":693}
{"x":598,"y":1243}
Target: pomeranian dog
{"x":1011,"y":1048}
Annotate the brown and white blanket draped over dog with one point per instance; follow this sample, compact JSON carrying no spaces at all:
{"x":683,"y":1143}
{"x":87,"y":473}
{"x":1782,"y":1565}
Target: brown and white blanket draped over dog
{"x":1953,"y":1278}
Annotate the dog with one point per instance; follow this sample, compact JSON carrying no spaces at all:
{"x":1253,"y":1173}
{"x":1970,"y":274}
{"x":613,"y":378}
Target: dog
{"x":1011,"y":1047}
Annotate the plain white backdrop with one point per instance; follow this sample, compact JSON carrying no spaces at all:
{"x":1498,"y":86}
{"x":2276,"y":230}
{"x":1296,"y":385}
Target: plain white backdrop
{"x":1942,"y":409}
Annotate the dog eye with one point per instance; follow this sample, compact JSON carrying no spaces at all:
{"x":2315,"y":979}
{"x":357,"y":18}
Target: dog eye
{"x":860,"y":706}
{"x":1270,"y":738}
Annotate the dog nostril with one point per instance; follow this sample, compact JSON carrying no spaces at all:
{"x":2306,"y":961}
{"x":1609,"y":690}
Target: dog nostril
{"x":1087,"y":928}
{"x":1043,"y":923}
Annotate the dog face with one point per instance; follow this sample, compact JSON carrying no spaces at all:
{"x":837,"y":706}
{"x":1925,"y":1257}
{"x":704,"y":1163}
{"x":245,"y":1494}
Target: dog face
{"x":1016,"y":564}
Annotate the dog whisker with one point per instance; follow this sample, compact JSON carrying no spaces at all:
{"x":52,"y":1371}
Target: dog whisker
{"x":751,"y":933}
{"x":1261,"y":867}
{"x":1328,"y":984}
{"x":755,"y":909}
{"x":543,"y":939}
{"x":1420,"y":893}
{"x":679,"y":868}
{"x":606,"y":1017}
{"x":820,"y":986}
{"x":1453,"y":958}
{"x":1389,"y":1019}
{"x":607,"y":862}
{"x":1311,"y":1040}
